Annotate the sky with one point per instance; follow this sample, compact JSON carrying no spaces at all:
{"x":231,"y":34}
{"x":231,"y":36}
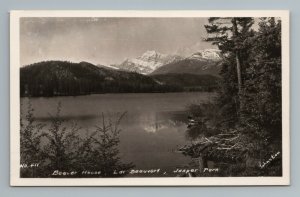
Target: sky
{"x":107,"y":41}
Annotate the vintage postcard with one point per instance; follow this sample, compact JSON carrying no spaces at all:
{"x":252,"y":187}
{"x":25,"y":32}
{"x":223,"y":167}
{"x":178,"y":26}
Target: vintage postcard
{"x":149,"y":98}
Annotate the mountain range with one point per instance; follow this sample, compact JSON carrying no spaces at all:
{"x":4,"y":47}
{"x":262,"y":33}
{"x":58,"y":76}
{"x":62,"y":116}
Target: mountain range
{"x":147,"y":62}
{"x":206,"y":62}
{"x":151,"y":72}
{"x":152,"y":62}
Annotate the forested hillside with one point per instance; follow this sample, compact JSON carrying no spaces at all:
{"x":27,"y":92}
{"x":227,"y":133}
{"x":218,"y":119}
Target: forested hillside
{"x":57,"y":78}
{"x":191,"y":66}
{"x":189,"y":82}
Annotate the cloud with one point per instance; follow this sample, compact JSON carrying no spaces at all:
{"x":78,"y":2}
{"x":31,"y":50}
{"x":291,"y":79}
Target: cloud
{"x":105,"y":40}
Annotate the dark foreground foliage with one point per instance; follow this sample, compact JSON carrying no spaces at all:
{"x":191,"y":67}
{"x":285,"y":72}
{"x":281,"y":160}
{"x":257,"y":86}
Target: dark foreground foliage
{"x":57,"y":150}
{"x":241,"y":131}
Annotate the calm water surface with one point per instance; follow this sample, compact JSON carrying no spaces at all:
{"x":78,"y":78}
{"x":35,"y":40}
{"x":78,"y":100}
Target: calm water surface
{"x":152,"y":129}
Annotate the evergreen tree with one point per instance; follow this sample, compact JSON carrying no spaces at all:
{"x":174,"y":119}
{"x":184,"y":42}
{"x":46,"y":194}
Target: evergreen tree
{"x":255,"y":134}
{"x":61,"y":149}
{"x":263,"y":84}
{"x":100,"y":151}
{"x":230,"y":35}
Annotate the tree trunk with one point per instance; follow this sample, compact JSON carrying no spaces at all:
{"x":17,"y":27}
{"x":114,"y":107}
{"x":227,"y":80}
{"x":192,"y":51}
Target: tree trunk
{"x":237,"y":56}
{"x":201,"y":163}
{"x":238,"y":71}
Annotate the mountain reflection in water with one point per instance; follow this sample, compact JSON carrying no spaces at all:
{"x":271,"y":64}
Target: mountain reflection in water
{"x":154,"y":126}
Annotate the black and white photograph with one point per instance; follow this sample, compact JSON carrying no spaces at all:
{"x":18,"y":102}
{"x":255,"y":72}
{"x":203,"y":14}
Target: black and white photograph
{"x":149,"y":98}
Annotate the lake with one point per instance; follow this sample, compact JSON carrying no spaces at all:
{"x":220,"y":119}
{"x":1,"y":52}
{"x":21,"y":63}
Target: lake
{"x":154,"y":126}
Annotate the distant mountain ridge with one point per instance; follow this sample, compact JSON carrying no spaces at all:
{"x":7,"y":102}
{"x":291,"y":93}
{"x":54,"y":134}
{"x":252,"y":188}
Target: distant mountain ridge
{"x":61,"y":78}
{"x":108,"y":67}
{"x":191,"y":65}
{"x":152,"y":63}
{"x":148,"y":62}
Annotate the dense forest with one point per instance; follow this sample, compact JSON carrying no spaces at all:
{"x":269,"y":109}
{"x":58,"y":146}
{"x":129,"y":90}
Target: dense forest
{"x":62,"y":78}
{"x":241,"y":129}
{"x":189,"y":82}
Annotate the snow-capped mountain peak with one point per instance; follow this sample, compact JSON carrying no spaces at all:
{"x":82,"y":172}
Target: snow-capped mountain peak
{"x":207,"y":54}
{"x":148,"y":62}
